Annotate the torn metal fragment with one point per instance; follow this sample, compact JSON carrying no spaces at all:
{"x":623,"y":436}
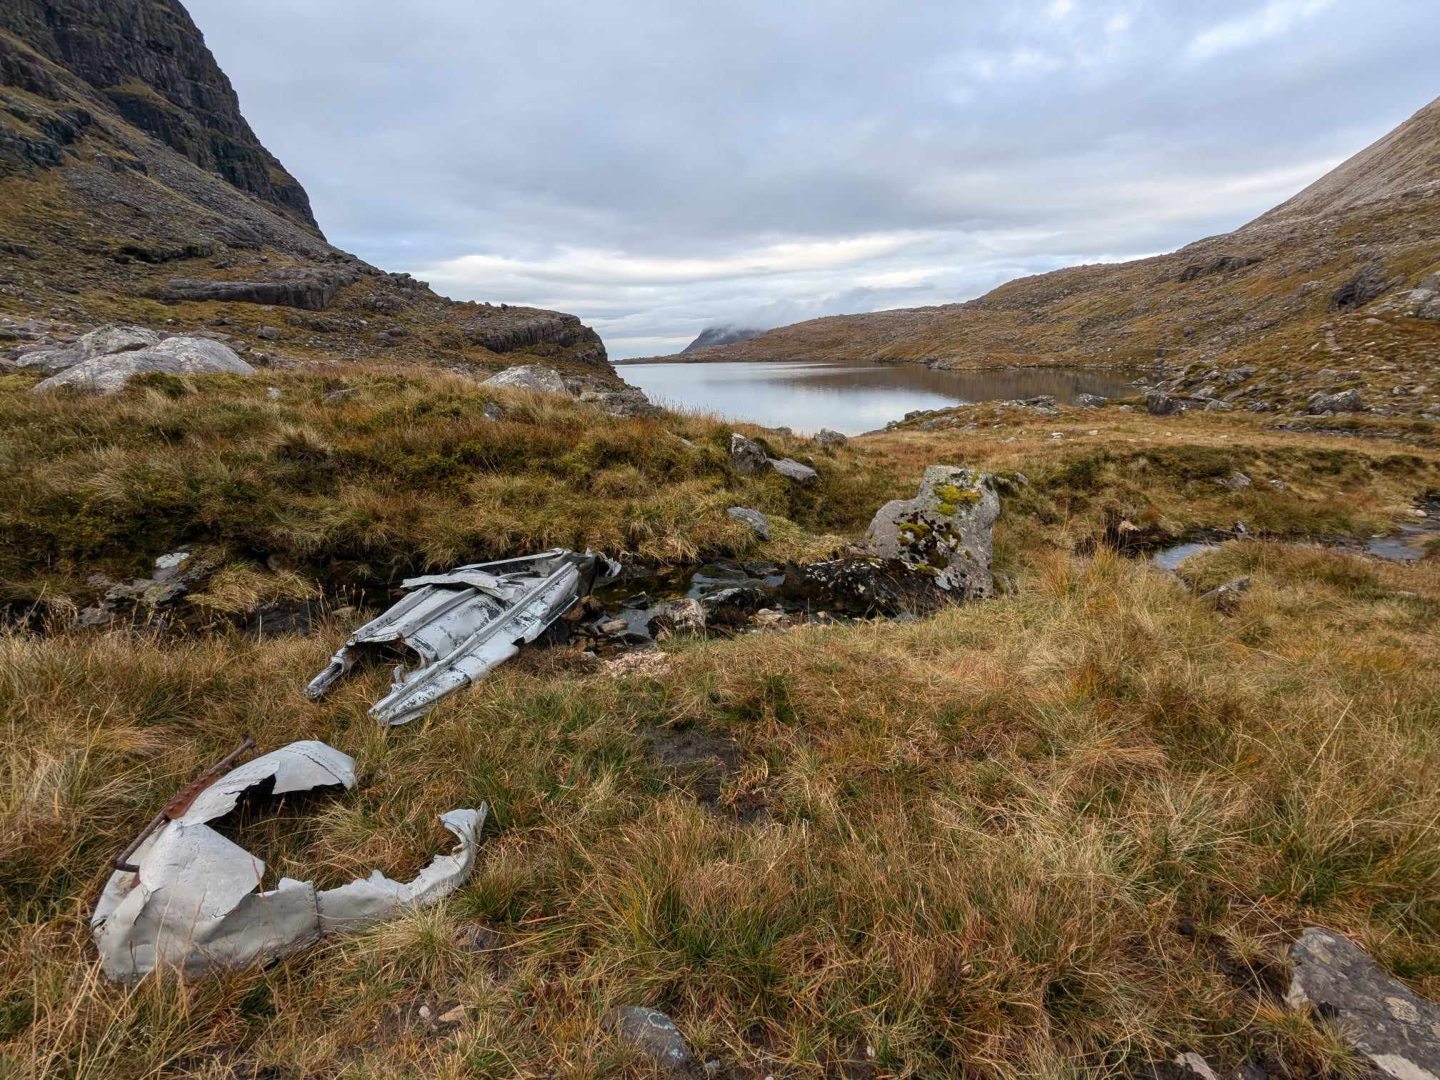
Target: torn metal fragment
{"x":453,"y":629}
{"x":193,"y":903}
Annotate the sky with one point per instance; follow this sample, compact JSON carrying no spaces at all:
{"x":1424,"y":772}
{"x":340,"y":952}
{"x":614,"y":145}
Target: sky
{"x":660,"y":166}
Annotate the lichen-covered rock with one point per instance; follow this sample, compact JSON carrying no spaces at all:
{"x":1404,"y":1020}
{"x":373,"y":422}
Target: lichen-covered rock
{"x":47,"y":360}
{"x":535,"y":377}
{"x":1397,"y":1030}
{"x":653,"y":1034}
{"x":1090,"y":401}
{"x":757,"y":521}
{"x":947,"y":528}
{"x":108,"y":340}
{"x":829,"y":440}
{"x":174,"y":356}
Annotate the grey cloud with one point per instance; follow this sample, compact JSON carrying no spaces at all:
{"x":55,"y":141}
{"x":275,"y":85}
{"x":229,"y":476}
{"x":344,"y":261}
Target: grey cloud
{"x":997,"y":137}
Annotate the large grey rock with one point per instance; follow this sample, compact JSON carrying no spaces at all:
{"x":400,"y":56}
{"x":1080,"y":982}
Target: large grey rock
{"x":947,"y":527}
{"x":653,"y":1034}
{"x":108,"y":340}
{"x":47,"y":360}
{"x":174,"y":356}
{"x":829,"y":440}
{"x":747,"y":455}
{"x":1344,"y":401}
{"x":1090,"y":401}
{"x":757,"y":521}
{"x":529,"y":377}
{"x":1396,"y":1029}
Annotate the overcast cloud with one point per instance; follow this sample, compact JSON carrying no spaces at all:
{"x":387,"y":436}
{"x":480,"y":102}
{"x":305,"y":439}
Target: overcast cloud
{"x":657,"y":166}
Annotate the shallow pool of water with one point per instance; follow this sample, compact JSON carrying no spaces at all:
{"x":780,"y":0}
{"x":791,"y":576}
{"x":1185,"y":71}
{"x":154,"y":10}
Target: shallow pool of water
{"x":851,"y":397}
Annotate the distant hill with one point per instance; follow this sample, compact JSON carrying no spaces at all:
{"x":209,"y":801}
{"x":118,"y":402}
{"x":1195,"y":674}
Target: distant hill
{"x":126,"y":166}
{"x":721,"y":335}
{"x":1359,"y":236}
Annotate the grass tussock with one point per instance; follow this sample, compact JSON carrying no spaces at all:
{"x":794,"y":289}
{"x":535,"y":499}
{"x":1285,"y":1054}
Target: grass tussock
{"x":1056,"y":834}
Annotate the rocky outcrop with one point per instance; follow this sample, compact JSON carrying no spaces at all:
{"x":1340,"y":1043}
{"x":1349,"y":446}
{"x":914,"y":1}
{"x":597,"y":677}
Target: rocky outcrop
{"x":1396,"y":1029}
{"x":173,"y":356}
{"x":505,"y":329}
{"x":149,"y":61}
{"x":308,"y":288}
{"x":946,"y":529}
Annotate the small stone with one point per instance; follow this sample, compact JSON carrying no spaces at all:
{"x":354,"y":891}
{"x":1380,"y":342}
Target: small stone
{"x":685,"y":615}
{"x":653,"y":1034}
{"x":1237,"y":481}
{"x":757,"y":521}
{"x":457,"y":1015}
{"x":268,"y":333}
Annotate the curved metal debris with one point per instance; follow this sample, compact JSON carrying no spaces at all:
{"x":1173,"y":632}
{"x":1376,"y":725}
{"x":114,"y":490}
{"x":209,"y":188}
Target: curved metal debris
{"x":462,"y":625}
{"x":193,"y":903}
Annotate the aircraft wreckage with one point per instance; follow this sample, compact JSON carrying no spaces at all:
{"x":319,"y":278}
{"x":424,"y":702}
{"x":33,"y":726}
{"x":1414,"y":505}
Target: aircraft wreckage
{"x":462,"y":625}
{"x":185,"y":897}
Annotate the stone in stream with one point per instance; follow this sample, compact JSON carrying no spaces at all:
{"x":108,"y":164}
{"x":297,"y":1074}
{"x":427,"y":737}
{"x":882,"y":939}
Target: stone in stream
{"x":946,"y":530}
{"x":1396,"y":1029}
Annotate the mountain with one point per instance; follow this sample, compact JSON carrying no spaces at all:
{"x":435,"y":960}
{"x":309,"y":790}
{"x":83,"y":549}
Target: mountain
{"x":1359,"y":238}
{"x":721,"y":335}
{"x":132,"y":188}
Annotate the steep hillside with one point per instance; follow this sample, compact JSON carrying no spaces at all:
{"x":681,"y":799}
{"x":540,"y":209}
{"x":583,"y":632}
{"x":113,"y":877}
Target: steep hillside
{"x":1294,"y":289}
{"x":131,"y":188}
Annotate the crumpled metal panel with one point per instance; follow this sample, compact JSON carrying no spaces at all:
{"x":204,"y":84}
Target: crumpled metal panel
{"x":462,"y":625}
{"x":193,"y":904}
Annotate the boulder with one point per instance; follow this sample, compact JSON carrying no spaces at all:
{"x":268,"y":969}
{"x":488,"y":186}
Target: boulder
{"x":748,"y":456}
{"x":47,"y":360}
{"x":1159,"y":403}
{"x":174,"y":356}
{"x":109,"y":340}
{"x":946,"y":528}
{"x":1090,"y":401}
{"x":535,"y":377}
{"x":1369,"y":284}
{"x":757,"y":521}
{"x":653,"y":1034}
{"x":1343,"y":401}
{"x":829,"y":440}
{"x":793,"y":470}
{"x":1396,"y":1029}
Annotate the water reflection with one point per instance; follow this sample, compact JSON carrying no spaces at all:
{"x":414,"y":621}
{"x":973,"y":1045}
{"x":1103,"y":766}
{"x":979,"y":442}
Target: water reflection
{"x":853,"y":397}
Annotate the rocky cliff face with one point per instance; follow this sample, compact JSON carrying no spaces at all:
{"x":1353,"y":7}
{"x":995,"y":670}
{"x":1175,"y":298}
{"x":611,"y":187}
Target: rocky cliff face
{"x":132,"y":189}
{"x":148,"y":61}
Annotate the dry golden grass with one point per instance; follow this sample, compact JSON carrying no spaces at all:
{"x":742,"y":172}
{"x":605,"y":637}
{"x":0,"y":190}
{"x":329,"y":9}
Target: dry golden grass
{"x":967,"y":846}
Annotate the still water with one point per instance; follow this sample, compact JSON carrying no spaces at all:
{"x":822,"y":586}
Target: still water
{"x":850,"y":397}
